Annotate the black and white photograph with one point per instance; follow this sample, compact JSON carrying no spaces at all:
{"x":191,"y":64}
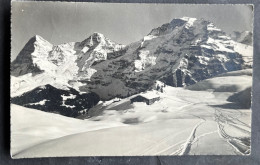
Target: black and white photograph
{"x":130,"y":79}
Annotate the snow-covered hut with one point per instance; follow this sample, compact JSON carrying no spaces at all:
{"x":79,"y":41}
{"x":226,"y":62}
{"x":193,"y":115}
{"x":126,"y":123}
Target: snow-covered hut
{"x":148,"y":98}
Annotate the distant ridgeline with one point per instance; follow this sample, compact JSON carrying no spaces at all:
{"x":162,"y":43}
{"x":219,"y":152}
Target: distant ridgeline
{"x":179,"y":53}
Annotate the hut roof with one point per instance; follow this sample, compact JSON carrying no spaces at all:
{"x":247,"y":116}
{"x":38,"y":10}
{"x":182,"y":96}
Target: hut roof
{"x":150,"y":95}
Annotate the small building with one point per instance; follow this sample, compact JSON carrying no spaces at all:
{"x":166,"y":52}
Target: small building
{"x":147,"y":98}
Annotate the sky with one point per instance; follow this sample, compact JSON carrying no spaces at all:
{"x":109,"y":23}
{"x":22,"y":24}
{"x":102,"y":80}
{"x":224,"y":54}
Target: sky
{"x":61,"y":22}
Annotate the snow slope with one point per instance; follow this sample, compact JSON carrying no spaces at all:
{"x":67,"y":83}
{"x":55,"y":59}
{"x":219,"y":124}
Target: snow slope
{"x":182,"y":122}
{"x":247,"y":53}
{"x":41,"y":126}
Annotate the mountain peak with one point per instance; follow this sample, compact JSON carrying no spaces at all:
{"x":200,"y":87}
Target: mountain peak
{"x":187,"y":22}
{"x":188,"y":18}
{"x":190,"y":21}
{"x":94,"y":38}
{"x":183,"y":20}
{"x":38,"y":38}
{"x":97,"y":34}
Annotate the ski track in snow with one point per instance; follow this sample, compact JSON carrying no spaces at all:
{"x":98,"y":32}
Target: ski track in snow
{"x":184,"y":146}
{"x":235,"y":142}
{"x":189,"y":141}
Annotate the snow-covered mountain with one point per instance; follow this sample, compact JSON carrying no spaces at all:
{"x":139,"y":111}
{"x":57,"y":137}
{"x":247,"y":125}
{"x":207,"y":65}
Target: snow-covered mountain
{"x":71,"y":59}
{"x":32,"y":57}
{"x":41,"y":63}
{"x":179,"y":53}
{"x":245,"y":37}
